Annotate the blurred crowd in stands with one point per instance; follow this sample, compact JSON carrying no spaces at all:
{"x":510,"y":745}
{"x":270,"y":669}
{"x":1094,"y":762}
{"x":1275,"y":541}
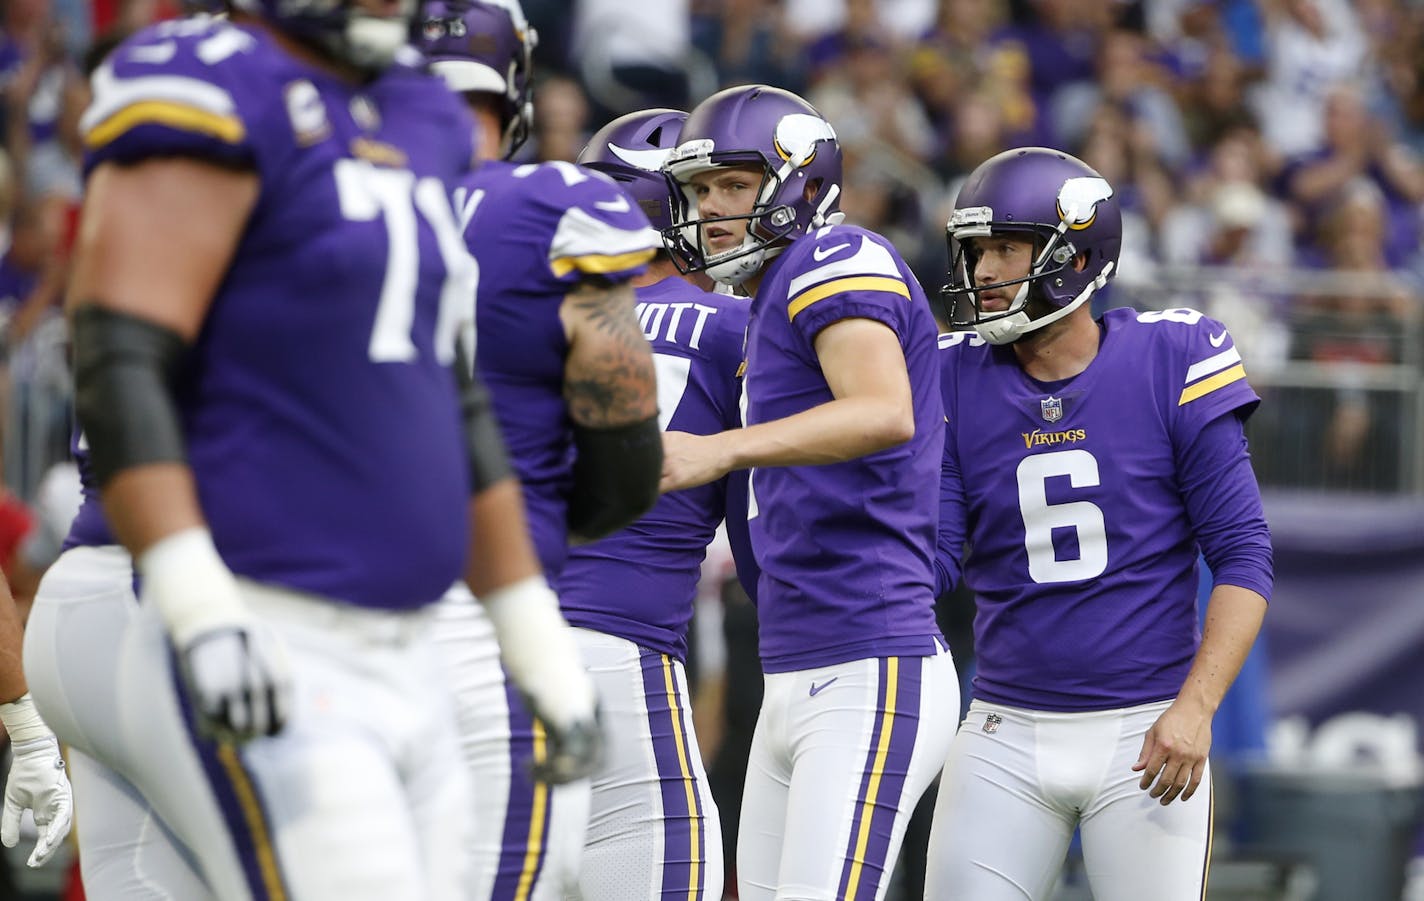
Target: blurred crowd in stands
{"x":1267,"y":154}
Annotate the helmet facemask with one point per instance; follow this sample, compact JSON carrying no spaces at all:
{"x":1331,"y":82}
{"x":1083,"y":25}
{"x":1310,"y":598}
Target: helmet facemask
{"x":1053,"y":255}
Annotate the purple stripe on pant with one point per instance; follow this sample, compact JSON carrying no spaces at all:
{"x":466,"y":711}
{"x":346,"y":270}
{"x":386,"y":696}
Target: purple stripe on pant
{"x":519,"y":810}
{"x":240,"y":803}
{"x":684,"y":827}
{"x":882,"y":783}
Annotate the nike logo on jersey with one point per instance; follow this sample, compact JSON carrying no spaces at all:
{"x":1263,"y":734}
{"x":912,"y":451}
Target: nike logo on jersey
{"x":1216,"y":340}
{"x":620,"y":205}
{"x":820,"y":253}
{"x":817,"y":689}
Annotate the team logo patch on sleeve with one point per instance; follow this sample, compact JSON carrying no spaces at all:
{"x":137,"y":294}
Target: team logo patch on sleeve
{"x":1212,"y":374}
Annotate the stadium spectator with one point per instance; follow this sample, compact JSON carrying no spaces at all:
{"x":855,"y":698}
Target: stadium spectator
{"x":1357,"y":146}
{"x":1129,"y":81}
{"x":1312,"y":45}
{"x":746,"y":43}
{"x":561,"y":114}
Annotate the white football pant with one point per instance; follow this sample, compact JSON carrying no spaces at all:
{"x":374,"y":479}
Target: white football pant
{"x":839,"y":759}
{"x":1018,"y":782}
{"x":528,"y":836}
{"x":653,"y":828}
{"x":360,"y":798}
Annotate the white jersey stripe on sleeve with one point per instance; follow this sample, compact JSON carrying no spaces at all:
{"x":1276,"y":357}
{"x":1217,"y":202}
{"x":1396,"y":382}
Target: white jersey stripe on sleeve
{"x":112,"y":95}
{"x":1212,"y":364}
{"x":870,"y":259}
{"x":581,"y":235}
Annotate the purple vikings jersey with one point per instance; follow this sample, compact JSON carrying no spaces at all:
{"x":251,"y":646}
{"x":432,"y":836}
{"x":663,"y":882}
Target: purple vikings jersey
{"x":846,"y":549}
{"x":536,"y":232}
{"x":639,"y":583}
{"x":1085,"y":506}
{"x":328,"y":451}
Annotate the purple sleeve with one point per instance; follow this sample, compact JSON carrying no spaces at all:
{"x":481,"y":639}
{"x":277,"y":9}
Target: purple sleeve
{"x":738,"y":534}
{"x":596,"y":231}
{"x":1224,"y":505}
{"x":858,"y":306}
{"x":161,"y":93}
{"x":949,"y":542}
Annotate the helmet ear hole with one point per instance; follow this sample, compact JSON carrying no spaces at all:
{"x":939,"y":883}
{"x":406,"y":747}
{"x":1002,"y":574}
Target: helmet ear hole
{"x":812,"y":189}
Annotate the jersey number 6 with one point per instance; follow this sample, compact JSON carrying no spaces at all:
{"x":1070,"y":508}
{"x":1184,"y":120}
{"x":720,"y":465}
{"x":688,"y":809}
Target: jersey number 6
{"x":1040,"y":518}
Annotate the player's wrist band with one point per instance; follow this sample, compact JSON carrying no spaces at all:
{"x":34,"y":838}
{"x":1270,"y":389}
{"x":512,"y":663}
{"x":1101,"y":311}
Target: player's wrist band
{"x":22,"y":721}
{"x":192,"y":589}
{"x":538,"y":649}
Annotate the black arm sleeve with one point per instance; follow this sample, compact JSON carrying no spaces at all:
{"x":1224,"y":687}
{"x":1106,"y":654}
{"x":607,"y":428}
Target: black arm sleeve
{"x":489,"y":459}
{"x":616,"y":476}
{"x":125,"y":369}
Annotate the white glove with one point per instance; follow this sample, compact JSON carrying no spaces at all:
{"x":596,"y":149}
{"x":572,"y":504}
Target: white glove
{"x":235,"y":670}
{"x":37,"y":781}
{"x":538,"y":651}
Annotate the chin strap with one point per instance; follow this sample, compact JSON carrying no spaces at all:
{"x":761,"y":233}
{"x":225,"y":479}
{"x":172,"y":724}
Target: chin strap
{"x":822,"y":217}
{"x":1012,"y":328}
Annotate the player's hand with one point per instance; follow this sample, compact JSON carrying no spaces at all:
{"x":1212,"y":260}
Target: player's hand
{"x":235,"y":671}
{"x":691,"y":460}
{"x":1174,"y":752}
{"x":37,"y":783}
{"x":572,"y":752}
{"x":238,"y":682}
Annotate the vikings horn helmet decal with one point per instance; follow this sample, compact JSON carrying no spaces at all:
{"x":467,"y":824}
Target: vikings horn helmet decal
{"x":631,"y":150}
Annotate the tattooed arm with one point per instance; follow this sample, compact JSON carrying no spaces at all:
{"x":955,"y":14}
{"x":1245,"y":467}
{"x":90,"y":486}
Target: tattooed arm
{"x":612,"y":398}
{"x":608,"y":374}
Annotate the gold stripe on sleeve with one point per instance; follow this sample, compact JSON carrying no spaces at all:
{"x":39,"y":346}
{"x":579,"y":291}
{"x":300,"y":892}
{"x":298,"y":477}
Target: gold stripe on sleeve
{"x":174,"y":115}
{"x":1206,"y":386}
{"x":600,"y":264}
{"x":853,"y":283}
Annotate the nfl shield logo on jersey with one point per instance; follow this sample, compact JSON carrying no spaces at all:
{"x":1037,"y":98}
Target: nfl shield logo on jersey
{"x":991,"y":723}
{"x":1051,"y":408}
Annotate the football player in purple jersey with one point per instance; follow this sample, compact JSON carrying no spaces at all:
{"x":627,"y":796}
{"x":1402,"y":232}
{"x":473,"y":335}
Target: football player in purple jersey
{"x":844,"y":425}
{"x":653,"y":828}
{"x":1087,"y":462}
{"x":573,"y":385}
{"x":268,"y":283}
